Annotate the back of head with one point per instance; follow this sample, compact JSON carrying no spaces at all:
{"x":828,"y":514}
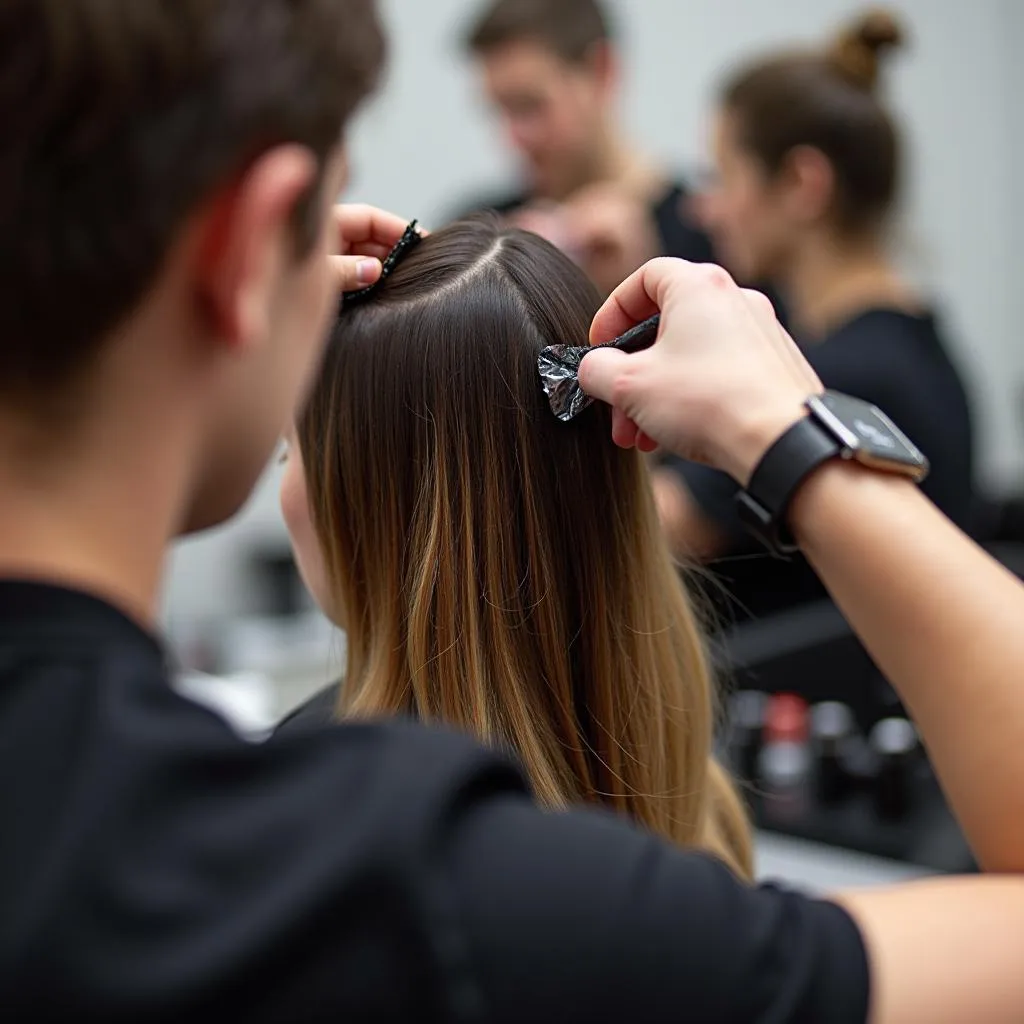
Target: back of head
{"x":497,"y":569}
{"x":120,"y":118}
{"x":827,"y":100}
{"x":569,"y":28}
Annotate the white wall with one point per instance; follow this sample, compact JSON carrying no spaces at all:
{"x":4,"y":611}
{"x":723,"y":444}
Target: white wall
{"x":426,"y":144}
{"x":1011,"y":283}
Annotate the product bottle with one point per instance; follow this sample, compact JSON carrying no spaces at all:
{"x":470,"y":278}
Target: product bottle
{"x":832,"y":729}
{"x":746,"y":732}
{"x":895,"y":744}
{"x":785,"y":761}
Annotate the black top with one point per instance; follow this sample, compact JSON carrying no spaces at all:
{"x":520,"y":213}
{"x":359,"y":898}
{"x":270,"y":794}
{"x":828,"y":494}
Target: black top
{"x":155,"y":867}
{"x":315,"y":713}
{"x":896,"y":361}
{"x":678,"y":234}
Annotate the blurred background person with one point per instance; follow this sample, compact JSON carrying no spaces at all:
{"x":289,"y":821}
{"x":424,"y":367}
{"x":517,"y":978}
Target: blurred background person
{"x":809,"y":161}
{"x":552,"y":71}
{"x":469,"y":550}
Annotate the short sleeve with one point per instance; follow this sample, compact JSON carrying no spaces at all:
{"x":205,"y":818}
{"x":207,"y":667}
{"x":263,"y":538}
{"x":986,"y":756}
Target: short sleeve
{"x":579,"y":918}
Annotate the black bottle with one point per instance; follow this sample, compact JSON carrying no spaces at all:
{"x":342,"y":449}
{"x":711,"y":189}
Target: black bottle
{"x":746,"y":732}
{"x":894,"y":742}
{"x":832,"y":729}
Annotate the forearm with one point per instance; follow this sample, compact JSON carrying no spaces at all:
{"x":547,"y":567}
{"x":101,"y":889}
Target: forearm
{"x":945,"y":624}
{"x":947,"y":950}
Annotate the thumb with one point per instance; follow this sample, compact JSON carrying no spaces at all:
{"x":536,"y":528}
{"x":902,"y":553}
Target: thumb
{"x":601,"y":371}
{"x":355,"y":272}
{"x":601,"y":375}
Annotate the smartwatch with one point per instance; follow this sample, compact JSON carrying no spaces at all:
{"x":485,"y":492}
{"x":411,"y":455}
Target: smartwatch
{"x":836,"y":426}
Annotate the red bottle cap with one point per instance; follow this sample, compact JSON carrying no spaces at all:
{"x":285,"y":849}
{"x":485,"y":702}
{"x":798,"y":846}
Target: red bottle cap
{"x":787,"y":719}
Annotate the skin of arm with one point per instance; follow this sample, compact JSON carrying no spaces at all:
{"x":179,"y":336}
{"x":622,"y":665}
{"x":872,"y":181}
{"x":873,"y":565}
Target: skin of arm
{"x":943,"y":621}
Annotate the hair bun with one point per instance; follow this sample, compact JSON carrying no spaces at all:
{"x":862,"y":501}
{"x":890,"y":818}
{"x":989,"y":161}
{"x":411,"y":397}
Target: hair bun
{"x":857,"y":51}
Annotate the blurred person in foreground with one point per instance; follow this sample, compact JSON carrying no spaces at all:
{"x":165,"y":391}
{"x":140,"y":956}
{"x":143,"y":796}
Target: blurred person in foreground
{"x":164,"y":306}
{"x":553,"y":73}
{"x":809,"y":163}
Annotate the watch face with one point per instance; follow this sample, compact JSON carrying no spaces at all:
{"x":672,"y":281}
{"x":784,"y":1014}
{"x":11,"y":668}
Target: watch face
{"x":868,"y":434}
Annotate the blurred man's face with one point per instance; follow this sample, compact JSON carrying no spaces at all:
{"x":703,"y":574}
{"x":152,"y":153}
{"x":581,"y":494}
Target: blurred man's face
{"x":746,"y":211}
{"x":552,"y":111}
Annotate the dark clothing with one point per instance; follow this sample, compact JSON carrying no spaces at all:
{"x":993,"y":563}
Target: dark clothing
{"x":896,"y":361}
{"x":155,"y":867}
{"x":678,"y":234}
{"x":315,"y":713}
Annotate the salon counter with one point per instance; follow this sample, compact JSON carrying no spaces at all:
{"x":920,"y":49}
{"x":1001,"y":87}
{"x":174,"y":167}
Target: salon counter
{"x":818,"y":869}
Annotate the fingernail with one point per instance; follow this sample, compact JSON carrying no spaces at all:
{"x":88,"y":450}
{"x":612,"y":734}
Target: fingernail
{"x":367,"y":271}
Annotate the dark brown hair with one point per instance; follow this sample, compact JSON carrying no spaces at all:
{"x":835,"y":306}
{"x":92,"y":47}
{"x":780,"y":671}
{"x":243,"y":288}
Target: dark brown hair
{"x":495,"y":568}
{"x":569,"y":28}
{"x":828,"y":101}
{"x":119,"y":117}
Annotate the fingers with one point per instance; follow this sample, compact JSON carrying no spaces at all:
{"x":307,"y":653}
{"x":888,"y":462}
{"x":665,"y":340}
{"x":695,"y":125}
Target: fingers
{"x":372,"y":250}
{"x":624,"y":431}
{"x":363,"y":226}
{"x":355,"y":272}
{"x":603,"y":375}
{"x":645,"y":292}
{"x":600,"y":373}
{"x":761,"y":306}
{"x":631,"y":303}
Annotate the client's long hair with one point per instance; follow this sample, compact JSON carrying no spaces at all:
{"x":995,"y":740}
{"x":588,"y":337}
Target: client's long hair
{"x":499,"y":570}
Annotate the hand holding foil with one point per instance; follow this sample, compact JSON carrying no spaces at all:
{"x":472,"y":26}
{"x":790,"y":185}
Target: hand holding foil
{"x":559,"y":367}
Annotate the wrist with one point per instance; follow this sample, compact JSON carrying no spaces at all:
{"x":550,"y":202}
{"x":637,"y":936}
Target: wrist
{"x":756,"y":434}
{"x":837,"y":429}
{"x":836,"y":486}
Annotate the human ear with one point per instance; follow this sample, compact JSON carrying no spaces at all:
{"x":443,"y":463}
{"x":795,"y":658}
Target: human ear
{"x":247,"y":240}
{"x":808,"y":181}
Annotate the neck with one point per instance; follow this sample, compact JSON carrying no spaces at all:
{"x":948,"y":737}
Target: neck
{"x":829,"y":281}
{"x":94,"y":506}
{"x":615,"y":162}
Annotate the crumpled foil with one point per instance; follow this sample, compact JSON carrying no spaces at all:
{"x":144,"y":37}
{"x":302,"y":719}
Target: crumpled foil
{"x":559,"y":368}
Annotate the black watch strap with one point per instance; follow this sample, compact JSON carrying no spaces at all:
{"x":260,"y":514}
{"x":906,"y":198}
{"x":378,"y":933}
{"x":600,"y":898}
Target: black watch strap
{"x":794,"y":456}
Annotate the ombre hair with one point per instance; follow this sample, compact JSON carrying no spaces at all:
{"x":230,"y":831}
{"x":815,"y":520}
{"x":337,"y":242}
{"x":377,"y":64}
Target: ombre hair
{"x":496,"y":569}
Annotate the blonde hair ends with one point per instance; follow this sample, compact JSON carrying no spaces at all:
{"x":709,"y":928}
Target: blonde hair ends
{"x":500,"y":571}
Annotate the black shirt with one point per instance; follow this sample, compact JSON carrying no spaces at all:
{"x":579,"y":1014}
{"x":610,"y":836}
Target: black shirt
{"x":678,"y":234}
{"x":154,"y":866}
{"x":896,"y":361}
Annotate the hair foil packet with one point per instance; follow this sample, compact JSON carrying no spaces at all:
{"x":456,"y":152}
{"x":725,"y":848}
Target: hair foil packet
{"x":559,"y":367}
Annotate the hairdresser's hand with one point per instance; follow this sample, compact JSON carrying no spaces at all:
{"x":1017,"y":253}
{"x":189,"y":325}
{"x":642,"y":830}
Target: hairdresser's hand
{"x":723,"y":381}
{"x":366,"y":236}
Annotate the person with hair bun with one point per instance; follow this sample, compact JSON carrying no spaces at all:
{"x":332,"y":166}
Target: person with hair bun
{"x":809,"y":163}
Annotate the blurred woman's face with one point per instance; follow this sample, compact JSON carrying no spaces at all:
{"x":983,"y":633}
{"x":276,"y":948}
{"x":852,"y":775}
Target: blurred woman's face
{"x":744,"y":210}
{"x":305,"y":545}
